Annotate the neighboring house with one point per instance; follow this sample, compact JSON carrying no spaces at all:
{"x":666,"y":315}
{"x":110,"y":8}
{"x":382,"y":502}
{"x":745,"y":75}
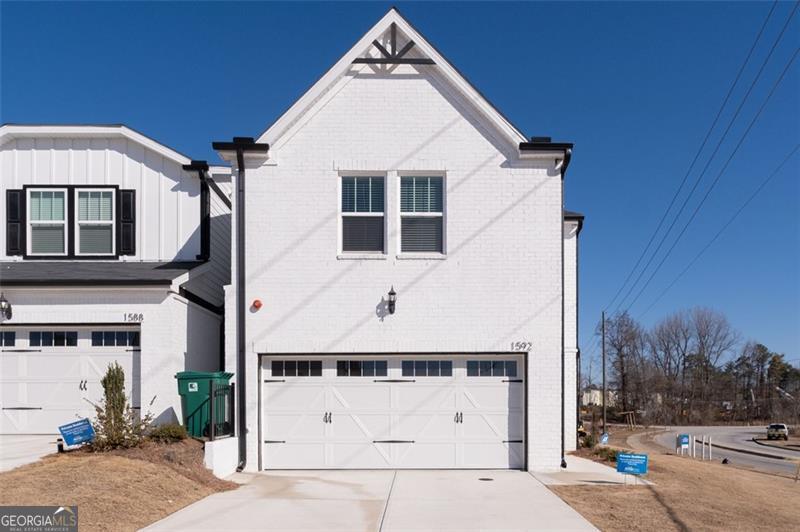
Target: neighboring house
{"x":409,"y":287}
{"x":115,"y":249}
{"x":594,"y":397}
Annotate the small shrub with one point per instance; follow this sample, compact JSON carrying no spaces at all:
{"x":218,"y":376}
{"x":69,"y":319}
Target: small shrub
{"x":117,"y":424}
{"x":588,"y":441}
{"x":169,"y":433}
{"x":607,"y":454}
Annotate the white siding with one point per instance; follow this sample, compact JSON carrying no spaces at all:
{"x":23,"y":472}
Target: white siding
{"x":167,"y":197}
{"x":570,"y":334}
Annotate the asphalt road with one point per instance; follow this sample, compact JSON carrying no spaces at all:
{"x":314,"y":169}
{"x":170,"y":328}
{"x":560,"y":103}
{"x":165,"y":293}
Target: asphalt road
{"x":740,"y":437}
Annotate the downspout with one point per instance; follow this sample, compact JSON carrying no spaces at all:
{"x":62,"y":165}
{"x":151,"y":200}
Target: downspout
{"x":240,"y":145}
{"x":563,"y":167}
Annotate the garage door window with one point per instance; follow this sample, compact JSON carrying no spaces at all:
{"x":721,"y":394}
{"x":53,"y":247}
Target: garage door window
{"x":115,"y":338}
{"x":491,"y":368}
{"x":53,"y":338}
{"x":361,"y":368}
{"x":427,"y":368}
{"x":8,"y":338}
{"x":297,"y":368}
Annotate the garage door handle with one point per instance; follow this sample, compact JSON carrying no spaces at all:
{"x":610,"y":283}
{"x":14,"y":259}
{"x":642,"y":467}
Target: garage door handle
{"x":274,"y":441}
{"x":512,"y":441}
{"x":392,"y":441}
{"x":459,"y":417}
{"x":22,"y":408}
{"x":274,"y":380}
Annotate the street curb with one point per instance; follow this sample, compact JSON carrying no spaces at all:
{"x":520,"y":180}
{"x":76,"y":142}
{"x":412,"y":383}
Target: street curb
{"x":747,"y":451}
{"x":775,"y":446}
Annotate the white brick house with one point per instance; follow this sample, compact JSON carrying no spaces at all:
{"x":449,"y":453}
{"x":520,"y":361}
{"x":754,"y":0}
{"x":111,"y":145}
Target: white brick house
{"x":114,"y":248}
{"x":394,"y":176}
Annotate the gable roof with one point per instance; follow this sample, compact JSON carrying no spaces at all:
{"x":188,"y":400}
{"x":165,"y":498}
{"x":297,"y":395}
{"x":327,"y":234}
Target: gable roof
{"x":12,"y":131}
{"x":394,"y":21}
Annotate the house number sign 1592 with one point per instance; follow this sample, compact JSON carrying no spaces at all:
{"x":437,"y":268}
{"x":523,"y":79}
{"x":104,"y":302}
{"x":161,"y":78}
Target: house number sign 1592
{"x":521,"y":346}
{"x":135,"y":317}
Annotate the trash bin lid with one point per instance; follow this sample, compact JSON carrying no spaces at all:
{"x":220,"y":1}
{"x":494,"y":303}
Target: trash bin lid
{"x":203,"y":375}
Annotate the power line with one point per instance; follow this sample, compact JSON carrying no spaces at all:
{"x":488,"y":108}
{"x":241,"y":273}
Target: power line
{"x":697,"y":154}
{"x":713,"y":155}
{"x":719,"y":175}
{"x":723,"y":228}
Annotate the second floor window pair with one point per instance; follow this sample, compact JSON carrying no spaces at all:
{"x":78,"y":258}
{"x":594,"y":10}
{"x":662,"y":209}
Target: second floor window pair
{"x":421,"y":214}
{"x":49,"y":221}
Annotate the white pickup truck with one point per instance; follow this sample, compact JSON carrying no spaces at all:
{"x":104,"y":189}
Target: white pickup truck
{"x":776,"y":431}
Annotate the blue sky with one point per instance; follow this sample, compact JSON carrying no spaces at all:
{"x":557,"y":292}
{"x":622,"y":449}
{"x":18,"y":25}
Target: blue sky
{"x":634,"y":85}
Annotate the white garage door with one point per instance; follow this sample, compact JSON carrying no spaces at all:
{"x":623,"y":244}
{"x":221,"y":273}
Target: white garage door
{"x":374,"y":412}
{"x":50,"y":375}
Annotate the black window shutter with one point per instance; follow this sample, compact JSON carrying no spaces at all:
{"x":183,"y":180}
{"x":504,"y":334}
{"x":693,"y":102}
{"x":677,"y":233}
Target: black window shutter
{"x":15,"y":222}
{"x":127,"y":222}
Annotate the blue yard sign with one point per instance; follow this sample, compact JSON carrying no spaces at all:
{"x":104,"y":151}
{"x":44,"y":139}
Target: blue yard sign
{"x":80,"y":431}
{"x":632,"y":464}
{"x":683,"y":441}
{"x":604,"y":439}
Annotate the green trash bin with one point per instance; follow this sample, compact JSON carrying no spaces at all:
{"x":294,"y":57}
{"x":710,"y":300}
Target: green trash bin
{"x":194,"y":387}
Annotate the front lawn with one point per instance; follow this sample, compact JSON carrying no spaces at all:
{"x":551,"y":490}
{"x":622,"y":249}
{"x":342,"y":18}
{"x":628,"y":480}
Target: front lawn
{"x":119,"y":490}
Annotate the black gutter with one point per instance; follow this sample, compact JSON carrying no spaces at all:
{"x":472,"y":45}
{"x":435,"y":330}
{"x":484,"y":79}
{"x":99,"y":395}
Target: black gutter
{"x":541,"y":146}
{"x":219,"y":310}
{"x":564,"y":164}
{"x":240,"y":145}
{"x":201,"y":167}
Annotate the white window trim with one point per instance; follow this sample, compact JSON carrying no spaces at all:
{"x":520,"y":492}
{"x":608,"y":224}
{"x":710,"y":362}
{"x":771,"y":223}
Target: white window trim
{"x":112,"y":222}
{"x":30,"y":223}
{"x":341,"y":253}
{"x":420,"y":255}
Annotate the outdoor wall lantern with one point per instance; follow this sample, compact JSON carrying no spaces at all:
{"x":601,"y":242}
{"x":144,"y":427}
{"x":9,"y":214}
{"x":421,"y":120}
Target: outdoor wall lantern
{"x":5,"y":307}
{"x":392,"y":300}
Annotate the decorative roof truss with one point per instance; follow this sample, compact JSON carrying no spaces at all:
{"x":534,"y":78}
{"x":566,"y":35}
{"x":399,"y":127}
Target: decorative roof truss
{"x":395,"y":56}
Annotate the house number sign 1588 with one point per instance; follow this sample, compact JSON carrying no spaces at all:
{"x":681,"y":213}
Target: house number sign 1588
{"x":135,"y":317}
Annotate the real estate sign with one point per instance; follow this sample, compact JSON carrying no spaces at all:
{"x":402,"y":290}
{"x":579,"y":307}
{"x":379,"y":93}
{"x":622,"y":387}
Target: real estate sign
{"x":683,"y":441}
{"x":80,"y":431}
{"x":632,"y":464}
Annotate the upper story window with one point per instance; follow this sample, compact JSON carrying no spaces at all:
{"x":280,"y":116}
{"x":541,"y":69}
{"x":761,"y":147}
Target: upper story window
{"x":363,"y":214}
{"x":47,"y":228}
{"x":422,"y":214}
{"x":70,"y":222}
{"x":95,"y":222}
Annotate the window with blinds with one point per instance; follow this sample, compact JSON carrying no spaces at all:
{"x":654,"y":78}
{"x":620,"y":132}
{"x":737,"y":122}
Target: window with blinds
{"x":95,"y":226}
{"x":363,"y":214}
{"x":422,"y":214}
{"x":47,"y":234}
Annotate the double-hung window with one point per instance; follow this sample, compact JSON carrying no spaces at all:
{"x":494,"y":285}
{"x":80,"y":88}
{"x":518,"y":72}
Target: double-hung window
{"x":94,"y":222}
{"x":421,"y":214}
{"x":47,"y":230}
{"x":363,"y":215}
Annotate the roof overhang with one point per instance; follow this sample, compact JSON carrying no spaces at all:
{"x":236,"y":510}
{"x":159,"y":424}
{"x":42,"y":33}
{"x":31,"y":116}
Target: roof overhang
{"x":18,"y":131}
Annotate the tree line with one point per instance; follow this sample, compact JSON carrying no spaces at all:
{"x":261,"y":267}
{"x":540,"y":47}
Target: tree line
{"x":692,"y":368}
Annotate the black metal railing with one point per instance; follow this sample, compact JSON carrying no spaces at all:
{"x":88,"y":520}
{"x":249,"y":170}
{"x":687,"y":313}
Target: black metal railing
{"x":221,"y":410}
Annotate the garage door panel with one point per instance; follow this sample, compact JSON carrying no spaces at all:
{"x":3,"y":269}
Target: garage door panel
{"x":49,"y":365}
{"x":492,"y":455}
{"x":422,"y":426}
{"x":9,"y":365}
{"x":430,"y":455}
{"x":426,"y":396}
{"x":492,"y":397}
{"x":366,"y":455}
{"x":365,"y":396}
{"x":294,"y":426}
{"x":359,"y":426}
{"x":294,"y":397}
{"x":297,"y":455}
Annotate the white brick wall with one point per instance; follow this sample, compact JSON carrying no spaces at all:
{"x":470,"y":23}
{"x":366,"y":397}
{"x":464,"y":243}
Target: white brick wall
{"x":570,"y":333}
{"x":500,"y":282}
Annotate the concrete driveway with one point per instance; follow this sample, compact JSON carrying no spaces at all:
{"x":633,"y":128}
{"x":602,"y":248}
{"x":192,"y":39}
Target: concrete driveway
{"x":381,"y":500}
{"x":19,"y":450}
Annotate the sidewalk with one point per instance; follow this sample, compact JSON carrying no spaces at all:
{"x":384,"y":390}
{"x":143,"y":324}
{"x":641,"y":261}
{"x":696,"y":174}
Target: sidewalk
{"x":582,"y":471}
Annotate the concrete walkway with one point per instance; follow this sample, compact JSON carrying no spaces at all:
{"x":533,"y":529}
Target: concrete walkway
{"x":20,"y":450}
{"x":381,"y":500}
{"x":582,"y":471}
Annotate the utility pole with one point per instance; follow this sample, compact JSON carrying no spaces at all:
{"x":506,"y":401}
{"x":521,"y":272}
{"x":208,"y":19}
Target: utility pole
{"x":603,"y":332}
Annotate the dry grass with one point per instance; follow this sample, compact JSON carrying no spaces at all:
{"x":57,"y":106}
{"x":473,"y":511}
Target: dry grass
{"x":117,"y":491}
{"x":691,"y":495}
